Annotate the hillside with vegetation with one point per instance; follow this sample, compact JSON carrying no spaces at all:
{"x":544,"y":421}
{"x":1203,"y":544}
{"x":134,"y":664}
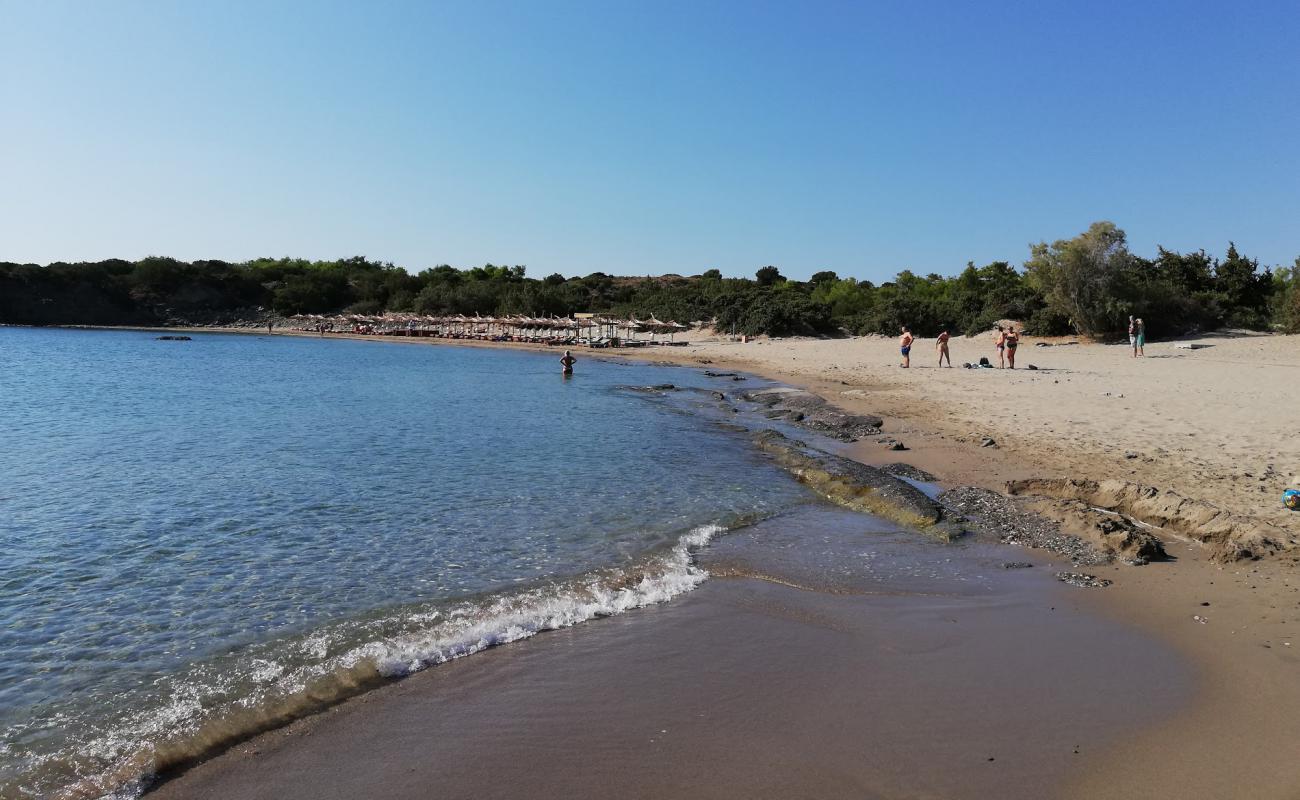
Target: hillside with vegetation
{"x":1087,"y":285}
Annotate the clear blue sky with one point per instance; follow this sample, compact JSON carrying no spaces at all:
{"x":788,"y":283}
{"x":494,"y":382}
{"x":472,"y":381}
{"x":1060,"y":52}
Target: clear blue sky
{"x":645,"y":137}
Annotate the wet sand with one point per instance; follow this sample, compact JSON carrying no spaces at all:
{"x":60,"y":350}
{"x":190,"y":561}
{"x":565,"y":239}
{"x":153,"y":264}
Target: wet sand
{"x":921,"y":671}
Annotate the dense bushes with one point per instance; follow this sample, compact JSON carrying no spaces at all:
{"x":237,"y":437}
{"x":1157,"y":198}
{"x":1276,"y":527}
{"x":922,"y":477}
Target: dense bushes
{"x":1285,"y":302}
{"x":1094,"y":283}
{"x":1089,"y":284}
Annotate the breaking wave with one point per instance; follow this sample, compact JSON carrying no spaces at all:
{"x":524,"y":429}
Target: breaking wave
{"x":185,"y":717}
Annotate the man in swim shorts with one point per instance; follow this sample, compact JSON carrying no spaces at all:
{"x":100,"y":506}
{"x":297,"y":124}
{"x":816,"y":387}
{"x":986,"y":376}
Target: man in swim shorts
{"x":1012,"y":339}
{"x":943,"y":349}
{"x":905,"y":347}
{"x":1000,"y":341}
{"x":566,"y":363}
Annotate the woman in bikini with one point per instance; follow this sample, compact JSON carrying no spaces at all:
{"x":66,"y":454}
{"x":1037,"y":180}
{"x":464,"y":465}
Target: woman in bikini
{"x":1011,"y":339}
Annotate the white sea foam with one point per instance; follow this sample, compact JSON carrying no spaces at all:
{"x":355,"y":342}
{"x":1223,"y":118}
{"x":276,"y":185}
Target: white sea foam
{"x":214,"y":705}
{"x":518,"y":616}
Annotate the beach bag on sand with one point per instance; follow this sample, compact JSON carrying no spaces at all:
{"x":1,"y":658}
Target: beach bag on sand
{"x":1291,"y":499}
{"x":984,"y":361}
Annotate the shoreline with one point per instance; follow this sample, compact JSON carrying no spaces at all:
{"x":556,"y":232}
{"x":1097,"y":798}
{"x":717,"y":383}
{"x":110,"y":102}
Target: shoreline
{"x":1245,"y":668}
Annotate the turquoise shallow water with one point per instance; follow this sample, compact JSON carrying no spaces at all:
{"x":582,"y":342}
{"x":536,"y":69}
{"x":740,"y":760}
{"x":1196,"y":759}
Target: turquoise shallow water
{"x":198,"y":539}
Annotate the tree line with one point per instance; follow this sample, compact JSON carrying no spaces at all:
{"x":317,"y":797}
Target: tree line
{"x":1087,"y":285}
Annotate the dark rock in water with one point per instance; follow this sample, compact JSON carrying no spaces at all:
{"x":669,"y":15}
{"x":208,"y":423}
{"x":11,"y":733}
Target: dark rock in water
{"x":173,"y":339}
{"x":720,"y":374}
{"x":727,"y":426}
{"x":1082,"y":579}
{"x":661,"y":387}
{"x":718,"y":395}
{"x":767,"y":397}
{"x":738,"y":378}
{"x":815,"y":414}
{"x":901,"y":470}
{"x":1016,"y":565}
{"x":861,"y":487}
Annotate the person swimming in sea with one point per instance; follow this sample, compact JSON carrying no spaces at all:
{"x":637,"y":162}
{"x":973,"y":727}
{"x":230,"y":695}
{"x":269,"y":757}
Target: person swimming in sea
{"x":566,"y":363}
{"x":1012,"y":339}
{"x":905,"y":347}
{"x":1000,"y":342}
{"x":942,"y":346}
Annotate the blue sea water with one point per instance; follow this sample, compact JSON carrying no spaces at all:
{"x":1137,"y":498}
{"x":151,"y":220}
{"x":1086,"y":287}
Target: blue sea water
{"x":202,"y":539}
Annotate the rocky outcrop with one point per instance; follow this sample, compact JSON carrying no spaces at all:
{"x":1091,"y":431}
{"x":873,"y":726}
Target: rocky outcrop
{"x":810,"y":411}
{"x":999,"y":516}
{"x":1109,"y":532}
{"x":860,"y":487}
{"x":1230,"y":537}
{"x":1083,"y":580}
{"x":901,"y":470}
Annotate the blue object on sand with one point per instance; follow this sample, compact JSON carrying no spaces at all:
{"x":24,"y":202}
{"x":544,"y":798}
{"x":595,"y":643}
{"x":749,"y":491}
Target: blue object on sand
{"x":1291,"y":499}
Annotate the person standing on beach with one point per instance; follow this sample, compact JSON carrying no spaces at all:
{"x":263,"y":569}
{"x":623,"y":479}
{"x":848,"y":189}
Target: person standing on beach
{"x":566,"y":363}
{"x":1000,"y":341}
{"x":943,"y":349}
{"x":269,"y":326}
{"x":1140,"y":342}
{"x":1011,"y":339}
{"x":905,"y":347}
{"x":1132,"y":335}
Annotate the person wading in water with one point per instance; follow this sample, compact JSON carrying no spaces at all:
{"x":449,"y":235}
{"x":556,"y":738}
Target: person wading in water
{"x":566,"y":363}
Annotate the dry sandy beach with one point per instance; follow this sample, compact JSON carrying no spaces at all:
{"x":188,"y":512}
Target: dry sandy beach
{"x":1181,"y":679}
{"x":1217,"y":422}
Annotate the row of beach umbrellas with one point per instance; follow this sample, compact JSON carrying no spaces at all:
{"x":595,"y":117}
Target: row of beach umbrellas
{"x":462,"y":324}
